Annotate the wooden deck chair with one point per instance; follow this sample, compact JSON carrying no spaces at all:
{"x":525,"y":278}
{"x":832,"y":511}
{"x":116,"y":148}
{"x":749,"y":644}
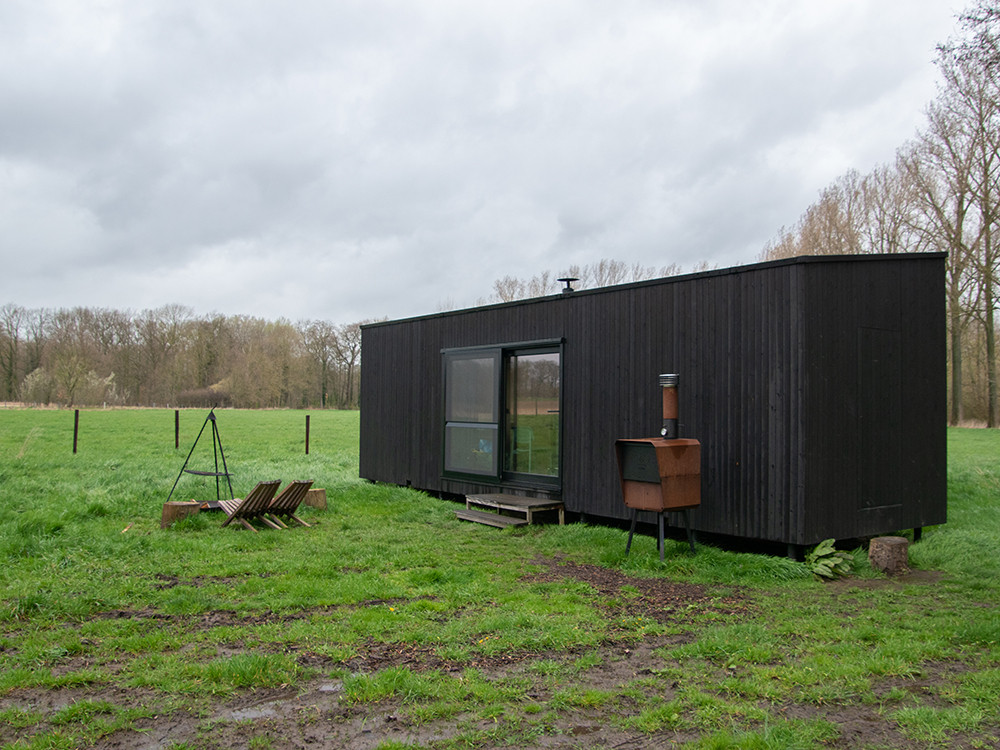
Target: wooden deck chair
{"x":252,"y":506}
{"x":285,"y":503}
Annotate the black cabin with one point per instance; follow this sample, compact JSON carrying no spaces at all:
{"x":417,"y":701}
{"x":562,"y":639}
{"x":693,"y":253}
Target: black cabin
{"x":816,"y":386}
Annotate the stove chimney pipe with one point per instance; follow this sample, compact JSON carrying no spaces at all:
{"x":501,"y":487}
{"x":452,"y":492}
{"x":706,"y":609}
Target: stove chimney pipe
{"x":669,"y":430}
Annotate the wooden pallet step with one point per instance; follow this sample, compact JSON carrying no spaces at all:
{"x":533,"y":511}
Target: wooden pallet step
{"x":491,"y":519}
{"x":529,"y":506}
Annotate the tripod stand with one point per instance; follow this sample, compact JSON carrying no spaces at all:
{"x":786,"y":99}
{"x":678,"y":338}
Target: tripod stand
{"x":217,"y":451}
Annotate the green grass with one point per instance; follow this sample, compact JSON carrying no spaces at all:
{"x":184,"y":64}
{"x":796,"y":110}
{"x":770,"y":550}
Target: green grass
{"x":406,"y":611}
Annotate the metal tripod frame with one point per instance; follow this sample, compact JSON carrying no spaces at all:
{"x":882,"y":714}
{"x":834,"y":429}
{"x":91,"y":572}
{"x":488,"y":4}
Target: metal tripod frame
{"x":217,"y":452}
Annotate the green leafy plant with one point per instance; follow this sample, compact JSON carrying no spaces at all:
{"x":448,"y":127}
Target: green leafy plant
{"x":825,"y":561}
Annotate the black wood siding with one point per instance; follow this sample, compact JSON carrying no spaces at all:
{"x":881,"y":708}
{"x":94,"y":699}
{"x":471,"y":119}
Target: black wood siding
{"x":816,"y":387}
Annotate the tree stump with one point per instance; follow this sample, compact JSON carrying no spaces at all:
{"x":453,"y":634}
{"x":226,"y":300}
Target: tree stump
{"x":889,"y":554}
{"x":316,"y":499}
{"x":176,"y":510}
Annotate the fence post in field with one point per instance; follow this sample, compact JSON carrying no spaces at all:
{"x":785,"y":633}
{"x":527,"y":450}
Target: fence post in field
{"x":177,"y":429}
{"x":307,"y":434}
{"x":76,"y":428}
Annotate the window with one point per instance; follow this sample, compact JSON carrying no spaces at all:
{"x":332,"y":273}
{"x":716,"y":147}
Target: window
{"x":502,"y":413}
{"x":532,"y":413}
{"x":471,"y":412}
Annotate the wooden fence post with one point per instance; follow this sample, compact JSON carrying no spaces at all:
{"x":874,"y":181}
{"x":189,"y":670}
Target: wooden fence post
{"x":76,"y":428}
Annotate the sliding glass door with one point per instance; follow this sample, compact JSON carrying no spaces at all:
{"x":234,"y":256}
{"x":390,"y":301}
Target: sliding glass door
{"x":532,"y":413}
{"x":502,"y":420}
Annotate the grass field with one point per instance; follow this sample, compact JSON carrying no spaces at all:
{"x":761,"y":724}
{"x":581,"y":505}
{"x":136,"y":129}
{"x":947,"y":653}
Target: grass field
{"x":390,"y":624}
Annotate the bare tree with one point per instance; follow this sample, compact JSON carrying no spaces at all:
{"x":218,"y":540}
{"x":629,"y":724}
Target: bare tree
{"x":857,"y":214}
{"x":980,"y":44}
{"x":605,"y":272}
{"x":830,"y":225}
{"x":348,"y":353}
{"x":69,"y":370}
{"x":964,"y":139}
{"x":785,"y":245}
{"x":38,"y":325}
{"x":12,"y":320}
{"x":319,"y":339}
{"x":939,"y":168}
{"x":159,"y":334}
{"x":891,"y":213}
{"x":507,"y":289}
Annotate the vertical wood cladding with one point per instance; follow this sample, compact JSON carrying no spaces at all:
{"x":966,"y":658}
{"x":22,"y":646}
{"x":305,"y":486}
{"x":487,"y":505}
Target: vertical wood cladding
{"x":815,"y":385}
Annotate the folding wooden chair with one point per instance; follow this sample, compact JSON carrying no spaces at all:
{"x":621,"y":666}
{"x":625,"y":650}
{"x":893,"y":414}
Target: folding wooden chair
{"x":287,"y":502}
{"x":252,"y":506}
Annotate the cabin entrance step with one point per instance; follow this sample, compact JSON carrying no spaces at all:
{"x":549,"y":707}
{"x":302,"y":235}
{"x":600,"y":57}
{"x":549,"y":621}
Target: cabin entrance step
{"x":490,"y":519}
{"x":500,"y":502}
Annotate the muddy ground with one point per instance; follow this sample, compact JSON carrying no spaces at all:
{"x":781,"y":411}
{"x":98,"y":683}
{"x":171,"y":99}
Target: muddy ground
{"x":314,"y":714}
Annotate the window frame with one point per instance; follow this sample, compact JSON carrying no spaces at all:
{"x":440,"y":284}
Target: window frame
{"x":499,"y":475}
{"x":451,"y":425}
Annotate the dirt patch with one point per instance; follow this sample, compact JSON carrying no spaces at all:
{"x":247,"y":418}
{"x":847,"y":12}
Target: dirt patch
{"x":318,"y":712}
{"x":169,"y":581}
{"x":659,"y":599}
{"x":913,"y":577}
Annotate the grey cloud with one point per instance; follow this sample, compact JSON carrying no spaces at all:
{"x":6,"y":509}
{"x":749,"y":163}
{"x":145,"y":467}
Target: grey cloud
{"x":401,"y":154}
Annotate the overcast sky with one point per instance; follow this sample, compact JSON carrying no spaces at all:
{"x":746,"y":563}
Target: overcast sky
{"x":353,"y":160}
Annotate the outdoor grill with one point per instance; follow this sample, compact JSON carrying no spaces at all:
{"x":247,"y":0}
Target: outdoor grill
{"x":661,"y":474}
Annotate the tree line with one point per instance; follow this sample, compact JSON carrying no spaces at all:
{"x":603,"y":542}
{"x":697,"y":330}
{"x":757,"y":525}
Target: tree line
{"x":168,"y":356}
{"x":940,"y":194}
{"x":605,"y":272}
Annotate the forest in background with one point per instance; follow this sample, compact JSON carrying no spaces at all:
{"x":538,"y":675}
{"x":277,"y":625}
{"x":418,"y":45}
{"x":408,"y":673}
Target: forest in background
{"x":171,"y":357}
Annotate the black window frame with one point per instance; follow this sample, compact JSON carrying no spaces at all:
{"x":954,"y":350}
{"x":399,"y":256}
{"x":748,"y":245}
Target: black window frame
{"x":468,"y":422}
{"x":499,"y":476}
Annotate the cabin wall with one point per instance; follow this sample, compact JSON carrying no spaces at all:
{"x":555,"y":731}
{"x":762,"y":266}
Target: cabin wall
{"x":816,"y":387}
{"x":875,"y":398}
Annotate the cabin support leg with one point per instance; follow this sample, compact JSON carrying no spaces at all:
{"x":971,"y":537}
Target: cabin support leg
{"x":631,"y":531}
{"x":918,"y":532}
{"x":660,"y":533}
{"x":687,"y":525}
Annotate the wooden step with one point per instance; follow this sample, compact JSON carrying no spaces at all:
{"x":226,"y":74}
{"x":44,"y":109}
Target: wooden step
{"x":491,"y":519}
{"x":517,"y":504}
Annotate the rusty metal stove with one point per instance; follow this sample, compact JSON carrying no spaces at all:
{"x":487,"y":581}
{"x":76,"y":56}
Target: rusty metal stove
{"x":661,"y":474}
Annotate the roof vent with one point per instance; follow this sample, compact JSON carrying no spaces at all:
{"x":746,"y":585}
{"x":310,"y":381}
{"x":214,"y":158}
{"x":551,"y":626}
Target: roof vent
{"x":568,"y":281}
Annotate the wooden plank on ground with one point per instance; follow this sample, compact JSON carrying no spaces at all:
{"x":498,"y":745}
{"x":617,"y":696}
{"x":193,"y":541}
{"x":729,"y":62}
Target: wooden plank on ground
{"x":517,"y":504}
{"x":490,"y":519}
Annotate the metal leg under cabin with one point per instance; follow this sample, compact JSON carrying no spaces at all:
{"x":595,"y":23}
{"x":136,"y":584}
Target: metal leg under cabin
{"x":631,"y":531}
{"x":660,"y":541}
{"x":687,"y":525}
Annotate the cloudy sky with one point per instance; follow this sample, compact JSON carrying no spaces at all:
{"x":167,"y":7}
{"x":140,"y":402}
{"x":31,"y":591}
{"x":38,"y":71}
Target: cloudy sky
{"x":351,"y":160}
